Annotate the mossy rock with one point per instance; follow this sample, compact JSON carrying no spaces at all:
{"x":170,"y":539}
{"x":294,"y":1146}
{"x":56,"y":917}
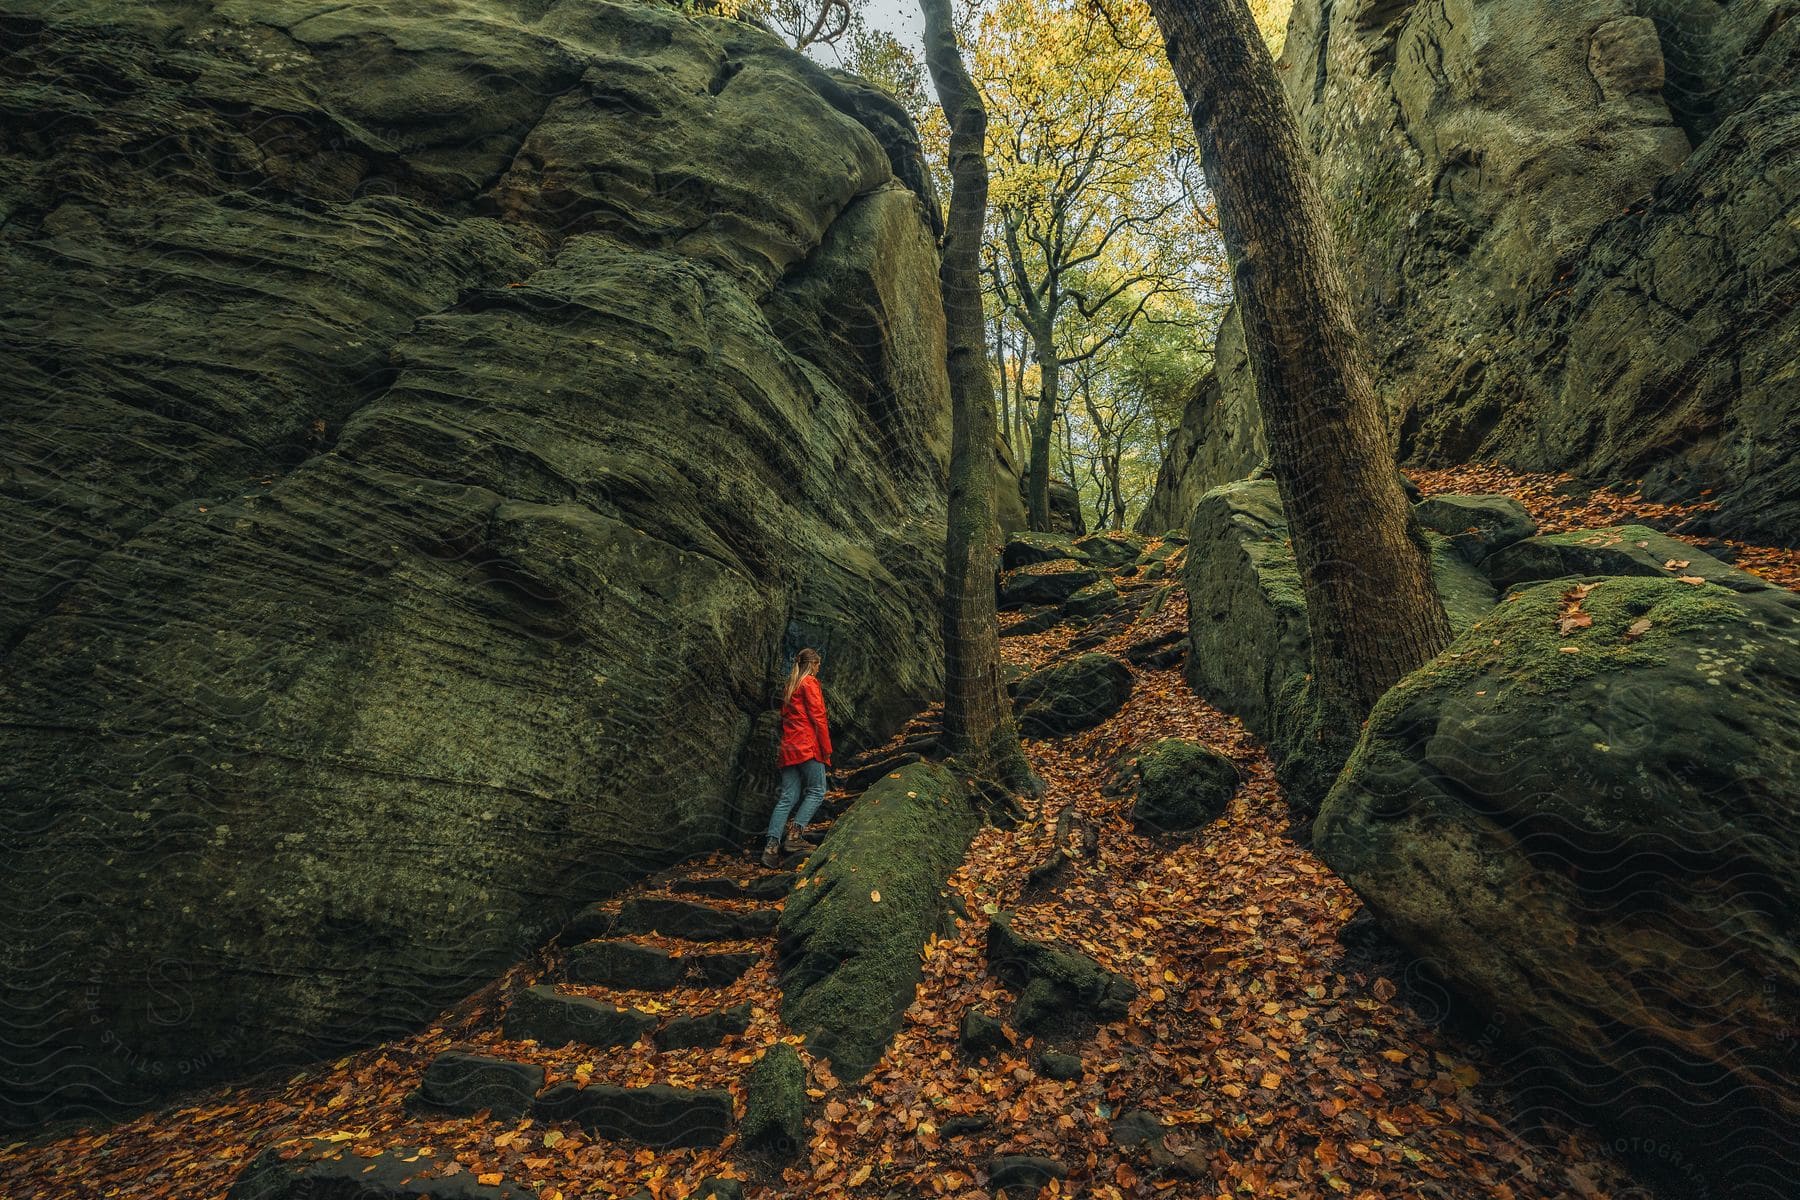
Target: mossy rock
{"x":1046,"y":583}
{"x":1591,"y":837}
{"x":1181,"y":785}
{"x":1091,"y":601}
{"x":1615,"y":550}
{"x":865,"y":902}
{"x":1072,"y":695}
{"x":1028,"y":549}
{"x":1111,"y":549}
{"x":775,"y":1103}
{"x":1477,"y":526}
{"x":1057,"y":986}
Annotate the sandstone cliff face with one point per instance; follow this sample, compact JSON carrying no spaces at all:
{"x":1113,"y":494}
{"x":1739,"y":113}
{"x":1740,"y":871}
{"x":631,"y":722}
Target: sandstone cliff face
{"x":429,"y":427}
{"x":1569,"y":229}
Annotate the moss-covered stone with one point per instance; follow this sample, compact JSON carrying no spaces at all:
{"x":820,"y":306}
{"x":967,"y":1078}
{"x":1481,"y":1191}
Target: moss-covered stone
{"x":1477,"y":526}
{"x":1057,"y":986}
{"x":1590,"y":837}
{"x":1072,"y":695}
{"x":775,"y":1103}
{"x":1046,"y":583}
{"x":1181,"y":785}
{"x":1110,"y":549}
{"x":1096,"y":598}
{"x":981,"y":1034}
{"x":1615,"y":550}
{"x":865,"y":903}
{"x":1028,"y":548}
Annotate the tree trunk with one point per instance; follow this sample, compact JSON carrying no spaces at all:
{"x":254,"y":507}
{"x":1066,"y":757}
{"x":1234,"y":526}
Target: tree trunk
{"x":1372,"y":609}
{"x":1000,"y":360}
{"x":978,"y":720}
{"x":1038,"y":485}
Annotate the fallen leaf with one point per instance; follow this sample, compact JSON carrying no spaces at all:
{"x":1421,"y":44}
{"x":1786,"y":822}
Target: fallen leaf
{"x":1637,"y":629}
{"x":1695,"y":580}
{"x":875,"y":896}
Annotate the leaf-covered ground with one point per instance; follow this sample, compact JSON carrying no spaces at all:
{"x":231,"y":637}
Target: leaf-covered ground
{"x":1281,"y":1061}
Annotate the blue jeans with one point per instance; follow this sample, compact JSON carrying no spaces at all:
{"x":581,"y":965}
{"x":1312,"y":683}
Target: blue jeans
{"x":812,"y":771}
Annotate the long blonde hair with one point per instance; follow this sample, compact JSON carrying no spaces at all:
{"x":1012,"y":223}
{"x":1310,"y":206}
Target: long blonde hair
{"x":805,"y":663}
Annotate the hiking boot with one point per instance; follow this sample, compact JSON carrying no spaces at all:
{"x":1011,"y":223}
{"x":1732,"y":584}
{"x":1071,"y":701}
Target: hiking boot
{"x":771,"y":855}
{"x":794,"y":842}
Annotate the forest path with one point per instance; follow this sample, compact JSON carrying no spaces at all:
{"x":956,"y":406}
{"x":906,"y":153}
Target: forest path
{"x":1276,"y":1039}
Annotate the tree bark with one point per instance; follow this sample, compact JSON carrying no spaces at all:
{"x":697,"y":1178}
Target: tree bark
{"x":1372,"y":609}
{"x":978,"y":720}
{"x":1037,"y":487}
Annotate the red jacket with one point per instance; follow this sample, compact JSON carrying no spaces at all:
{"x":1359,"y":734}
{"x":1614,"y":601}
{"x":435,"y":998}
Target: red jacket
{"x":804,"y":733}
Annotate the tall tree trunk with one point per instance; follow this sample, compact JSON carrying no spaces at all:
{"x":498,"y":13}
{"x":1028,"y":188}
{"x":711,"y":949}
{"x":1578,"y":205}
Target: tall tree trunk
{"x":1000,"y":361}
{"x":1372,"y":609}
{"x":978,"y":720}
{"x":1038,"y":486}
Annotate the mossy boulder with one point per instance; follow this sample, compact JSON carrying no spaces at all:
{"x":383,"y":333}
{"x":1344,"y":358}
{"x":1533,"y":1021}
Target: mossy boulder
{"x":1091,"y":601}
{"x":1046,"y":583}
{"x":1072,"y":695}
{"x":1476,"y":525}
{"x":1027,"y":548}
{"x":1614,"y":550}
{"x":1591,"y":837}
{"x":1181,"y":785}
{"x":1249,"y":650}
{"x":1058,"y":987}
{"x":775,"y":1103}
{"x":865,"y":902}
{"x":1111,"y":549}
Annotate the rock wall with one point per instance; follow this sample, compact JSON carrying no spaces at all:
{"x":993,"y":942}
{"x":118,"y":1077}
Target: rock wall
{"x":1569,"y":228}
{"x":431,"y":425}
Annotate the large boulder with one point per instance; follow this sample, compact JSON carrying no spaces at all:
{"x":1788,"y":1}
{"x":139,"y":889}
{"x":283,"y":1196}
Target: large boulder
{"x":1613,"y":550}
{"x":1591,"y":837}
{"x":1249,"y":651}
{"x":1111,"y":550}
{"x":1574,"y":228}
{"x":864,"y":905}
{"x":396,"y":394}
{"x":1071,"y":695}
{"x":1046,"y":583}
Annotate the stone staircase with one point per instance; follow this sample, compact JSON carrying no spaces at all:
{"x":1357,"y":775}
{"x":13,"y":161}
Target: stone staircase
{"x":603,"y":948}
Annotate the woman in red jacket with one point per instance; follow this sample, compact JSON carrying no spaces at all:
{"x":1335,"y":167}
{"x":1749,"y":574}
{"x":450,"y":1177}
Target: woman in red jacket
{"x":805,"y":756}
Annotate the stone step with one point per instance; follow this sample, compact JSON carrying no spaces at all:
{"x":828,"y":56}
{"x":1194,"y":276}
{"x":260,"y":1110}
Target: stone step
{"x":660,"y":1116}
{"x":651,"y":969}
{"x":461,"y":1082}
{"x":687,"y":919}
{"x":707,"y":1029}
{"x":328,"y":1171}
{"x":549,"y":1018}
{"x":762,"y":887}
